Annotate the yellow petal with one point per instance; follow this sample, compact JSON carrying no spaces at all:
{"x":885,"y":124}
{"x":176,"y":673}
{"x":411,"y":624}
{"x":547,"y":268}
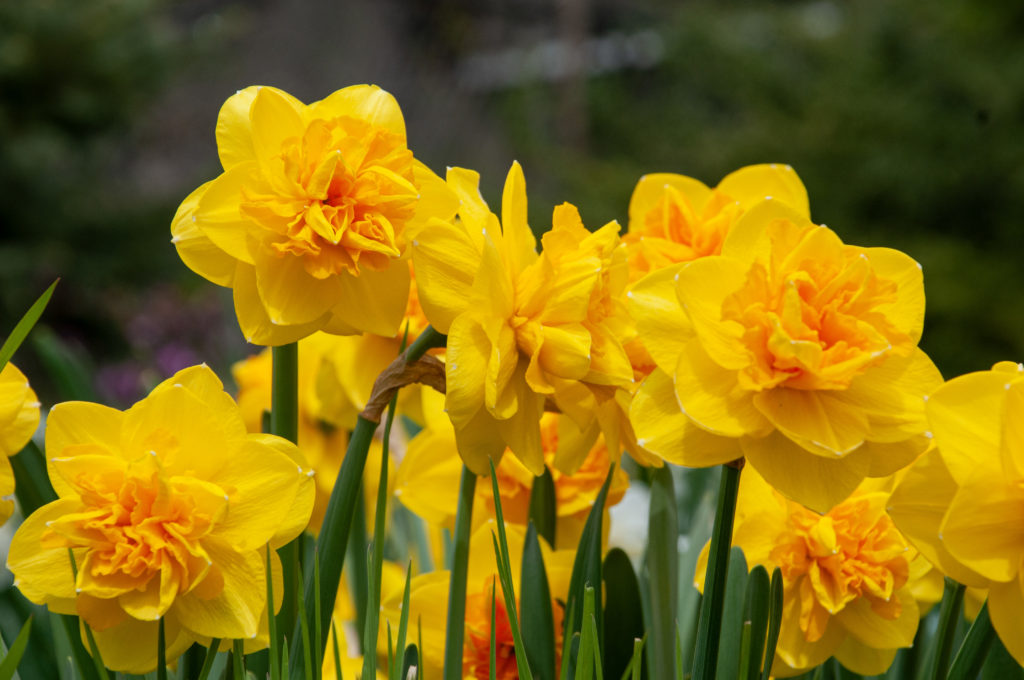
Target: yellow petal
{"x":366,"y":102}
{"x":565,"y":351}
{"x":906,"y":310}
{"x":661,"y":323}
{"x":437,"y":201}
{"x":976,"y":530}
{"x":6,"y":490}
{"x":42,"y":574}
{"x":1005,"y":603}
{"x":702,"y":286}
{"x":446,"y":259}
{"x":747,"y":237}
{"x":234,"y":129}
{"x":427,"y":480}
{"x":275,"y":117}
{"x":290,"y":295}
{"x":15,"y":434}
{"x":890,"y":457}
{"x":863,"y":659}
{"x":761,"y":513}
{"x":235,"y":611}
{"x":754,"y":183}
{"x":1012,"y":445}
{"x":521,"y":432}
{"x":195,"y":248}
{"x":478,"y":439}
{"x":712,"y":398}
{"x":252,"y":317}
{"x":295,"y":519}
{"x":651,"y":188}
{"x":77,"y":423}
{"x":217,"y":212}
{"x":877,"y":631}
{"x":815,"y":481}
{"x":469,"y":350}
{"x":662,"y":428}
{"x":816,"y":420}
{"x":130,"y":647}
{"x":374,"y":301}
{"x":793,"y":649}
{"x":522,"y":246}
{"x":500,"y":398}
{"x":964,"y":415}
{"x":473,"y":210}
{"x":917,"y":506}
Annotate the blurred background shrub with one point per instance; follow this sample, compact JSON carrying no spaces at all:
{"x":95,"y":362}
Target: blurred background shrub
{"x":903,"y":119}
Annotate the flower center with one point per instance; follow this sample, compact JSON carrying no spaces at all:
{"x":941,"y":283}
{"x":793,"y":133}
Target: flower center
{"x":338,"y":197}
{"x":854,"y":551}
{"x":136,"y":523}
{"x":813,"y":313}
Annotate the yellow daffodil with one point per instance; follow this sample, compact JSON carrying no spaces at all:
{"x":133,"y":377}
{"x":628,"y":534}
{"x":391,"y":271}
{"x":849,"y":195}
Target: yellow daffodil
{"x":792,"y":349}
{"x":308,"y":222}
{"x":674,"y":218}
{"x":336,"y":376}
{"x":167,"y":509}
{"x":427,"y":480}
{"x":428,"y":609}
{"x":846,"y":577}
{"x":519,"y":324}
{"x":958,"y":503}
{"x":19,"y":418}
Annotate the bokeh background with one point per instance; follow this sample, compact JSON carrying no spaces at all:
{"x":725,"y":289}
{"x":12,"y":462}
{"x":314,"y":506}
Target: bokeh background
{"x":904,"y":120}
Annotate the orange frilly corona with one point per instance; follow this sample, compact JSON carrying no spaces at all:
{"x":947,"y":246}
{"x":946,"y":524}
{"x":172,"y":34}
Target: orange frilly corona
{"x":847,"y":589}
{"x":791,"y":349}
{"x":308,"y":223}
{"x":165,"y":510}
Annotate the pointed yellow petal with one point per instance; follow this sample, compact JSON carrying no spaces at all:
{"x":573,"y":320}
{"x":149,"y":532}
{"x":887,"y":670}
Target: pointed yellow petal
{"x":793,"y":649}
{"x":473,"y":210}
{"x":366,"y":102}
{"x":662,"y":428}
{"x":78,"y":423}
{"x":235,"y":611}
{"x":295,"y":519}
{"x":661,"y":323}
{"x":274,"y":116}
{"x":1005,"y":603}
{"x":711,"y":397}
{"x":437,"y":201}
{"x":964,"y":415}
{"x":1012,"y":445}
{"x":975,"y":529}
{"x":234,"y":129}
{"x":522,"y":246}
{"x":446,"y":259}
{"x":427,"y":480}
{"x":469,"y":350}
{"x":257,"y":328}
{"x":877,"y":631}
{"x":217,"y":212}
{"x":906,"y":311}
{"x":815,"y":481}
{"x":754,"y":183}
{"x":747,"y":237}
{"x":374,"y":301}
{"x":195,"y":248}
{"x":815,"y":420}
{"x":651,"y":188}
{"x":702,"y":286}
{"x":521,"y":432}
{"x":290,"y":295}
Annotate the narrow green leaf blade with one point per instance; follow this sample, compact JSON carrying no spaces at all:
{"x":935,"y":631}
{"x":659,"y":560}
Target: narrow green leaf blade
{"x":732,"y":615}
{"x":543,"y":506}
{"x":623,"y":614}
{"x":9,"y":665}
{"x":755,"y":612}
{"x":535,"y":603}
{"x":663,"y":572}
{"x":774,"y":622}
{"x":22,"y":328}
{"x":975,"y":648}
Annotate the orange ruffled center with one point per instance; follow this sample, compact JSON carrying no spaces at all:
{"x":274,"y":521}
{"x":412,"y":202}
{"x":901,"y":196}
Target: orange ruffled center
{"x":852,"y":552}
{"x":338,"y":197}
{"x":812,"y":312}
{"x":135,"y":524}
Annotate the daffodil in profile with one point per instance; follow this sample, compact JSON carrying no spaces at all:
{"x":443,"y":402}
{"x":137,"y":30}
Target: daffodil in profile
{"x":308,"y":223}
{"x":520,"y":325}
{"x":791,"y":349}
{"x":19,"y":418}
{"x":960,"y":503}
{"x":847,"y":589}
{"x":165,"y":510}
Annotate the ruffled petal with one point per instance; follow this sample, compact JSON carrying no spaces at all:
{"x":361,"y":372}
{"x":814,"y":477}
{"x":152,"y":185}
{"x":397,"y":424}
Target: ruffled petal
{"x":877,"y":631}
{"x":976,"y":530}
{"x":661,"y":323}
{"x":290,"y":295}
{"x":816,"y":420}
{"x":253,"y":319}
{"x":374,"y":301}
{"x":755,"y":183}
{"x":965,"y":416}
{"x":365,"y":102}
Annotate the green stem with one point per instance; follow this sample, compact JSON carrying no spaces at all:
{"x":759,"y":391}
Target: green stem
{"x":284,"y":422}
{"x":709,"y":630}
{"x":456,"y":626}
{"x":949,"y":616}
{"x":974,"y":650}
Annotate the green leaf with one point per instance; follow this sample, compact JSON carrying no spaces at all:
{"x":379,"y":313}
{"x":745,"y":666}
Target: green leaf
{"x":161,"y":652}
{"x":410,"y":659}
{"x":663,"y":572}
{"x":709,"y":629}
{"x":337,"y":652}
{"x":588,"y":639}
{"x":403,"y":624}
{"x":275,"y":643}
{"x":755,"y":612}
{"x":211,"y":655}
{"x":636,"y":662}
{"x":774,"y":622}
{"x":586,"y":570}
{"x":238,"y":660}
{"x":535,"y":603}
{"x":949,"y":617}
{"x":455,"y":627}
{"x":688,"y":611}
{"x":22,"y":328}
{"x":732,"y":615}
{"x":12,"y":656}
{"x":70,"y":370}
{"x":623,"y":614}
{"x":543,"y":506}
{"x":999,"y":665}
{"x":492,"y":650}
{"x":358,"y":577}
{"x":971,"y":657}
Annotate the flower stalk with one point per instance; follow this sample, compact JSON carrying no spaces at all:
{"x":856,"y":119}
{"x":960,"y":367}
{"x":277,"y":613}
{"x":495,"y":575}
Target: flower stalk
{"x":455,"y":629}
{"x":709,"y":630}
{"x":949,"y":615}
{"x":284,"y":422}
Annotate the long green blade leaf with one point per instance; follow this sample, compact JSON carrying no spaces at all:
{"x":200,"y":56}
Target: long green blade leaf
{"x":974,"y":649}
{"x":732,"y":616}
{"x":403,"y":623}
{"x":623,"y":614}
{"x":543,"y":507}
{"x":949,"y":617}
{"x":535,"y":603}
{"x":774,"y":622}
{"x":662,"y":569}
{"x":755,"y":613}
{"x":9,"y":665}
{"x":455,"y":629}
{"x":21,"y":329}
{"x":211,"y":655}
